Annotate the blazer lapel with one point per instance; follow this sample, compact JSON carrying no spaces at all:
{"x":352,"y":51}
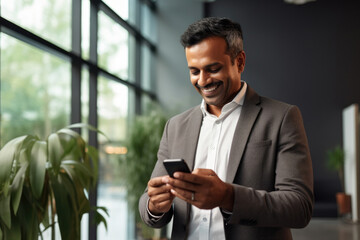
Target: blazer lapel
{"x":249,"y":113}
{"x":192,"y":132}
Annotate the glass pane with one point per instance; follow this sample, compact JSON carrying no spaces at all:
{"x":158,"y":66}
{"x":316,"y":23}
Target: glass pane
{"x":147,"y":68}
{"x":121,"y":7}
{"x":113,"y":121}
{"x":85,"y":28}
{"x":85,"y":90}
{"x":113,"y":47}
{"x":112,"y":109}
{"x":148,"y":26}
{"x":35,"y":90}
{"x":133,"y":15}
{"x":50,"y":19}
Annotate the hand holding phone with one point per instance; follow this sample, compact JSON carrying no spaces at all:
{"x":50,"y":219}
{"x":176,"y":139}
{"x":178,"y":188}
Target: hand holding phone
{"x":175,"y":165}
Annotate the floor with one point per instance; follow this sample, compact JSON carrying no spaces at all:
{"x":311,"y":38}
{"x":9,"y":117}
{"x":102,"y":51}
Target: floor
{"x":328,"y":229}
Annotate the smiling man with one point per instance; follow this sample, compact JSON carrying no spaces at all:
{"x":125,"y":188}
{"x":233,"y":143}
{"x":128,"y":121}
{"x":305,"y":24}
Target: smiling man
{"x":214,"y":74}
{"x":252,"y":173}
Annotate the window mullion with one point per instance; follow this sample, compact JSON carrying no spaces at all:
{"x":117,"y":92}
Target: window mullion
{"x":76,"y":65}
{"x":93,"y":94}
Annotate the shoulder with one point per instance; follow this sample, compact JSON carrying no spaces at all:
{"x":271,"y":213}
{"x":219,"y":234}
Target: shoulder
{"x":270,"y":105}
{"x":187,"y":115}
{"x":275,"y":105}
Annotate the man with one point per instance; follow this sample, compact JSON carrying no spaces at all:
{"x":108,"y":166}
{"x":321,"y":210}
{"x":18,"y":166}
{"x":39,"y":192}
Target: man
{"x":253,"y":173}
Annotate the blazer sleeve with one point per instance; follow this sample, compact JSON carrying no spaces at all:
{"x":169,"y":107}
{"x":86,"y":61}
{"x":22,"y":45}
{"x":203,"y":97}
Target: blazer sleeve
{"x":159,"y":170}
{"x":291,"y":201}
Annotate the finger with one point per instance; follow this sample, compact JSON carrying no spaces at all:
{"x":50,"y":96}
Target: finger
{"x":198,"y":176}
{"x":161,"y":197}
{"x":188,"y":177}
{"x":204,"y":172}
{"x":159,"y":205}
{"x":186,"y":185}
{"x":152,"y":191}
{"x":184,"y":195}
{"x":155,"y":182}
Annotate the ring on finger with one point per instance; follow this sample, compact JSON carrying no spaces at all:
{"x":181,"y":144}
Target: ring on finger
{"x":192,"y":196}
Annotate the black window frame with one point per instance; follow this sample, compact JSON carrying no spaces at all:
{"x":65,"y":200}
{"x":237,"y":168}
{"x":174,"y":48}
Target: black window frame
{"x":78,"y":63}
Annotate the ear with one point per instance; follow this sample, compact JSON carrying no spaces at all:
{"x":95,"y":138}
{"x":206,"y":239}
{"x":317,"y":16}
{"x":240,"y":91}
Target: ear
{"x":241,"y":61}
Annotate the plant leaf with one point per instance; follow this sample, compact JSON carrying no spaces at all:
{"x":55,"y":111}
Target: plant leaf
{"x":7,"y":156}
{"x":5,"y":214}
{"x":63,"y":207}
{"x":88,"y":126}
{"x":99,"y":218}
{"x":77,"y":176}
{"x":83,"y":204}
{"x":17,"y":185}
{"x":27,"y":215}
{"x":38,"y":167}
{"x":73,"y":134}
{"x":74,"y":149}
{"x":14,"y":233}
{"x":79,"y":166}
{"x":56,"y":151}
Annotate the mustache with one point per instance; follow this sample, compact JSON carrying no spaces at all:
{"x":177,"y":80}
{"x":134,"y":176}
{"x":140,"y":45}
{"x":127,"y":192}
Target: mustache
{"x":214,"y":84}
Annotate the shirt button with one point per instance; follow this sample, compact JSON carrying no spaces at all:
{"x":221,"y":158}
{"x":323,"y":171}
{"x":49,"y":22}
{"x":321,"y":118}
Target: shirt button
{"x":204,"y":219}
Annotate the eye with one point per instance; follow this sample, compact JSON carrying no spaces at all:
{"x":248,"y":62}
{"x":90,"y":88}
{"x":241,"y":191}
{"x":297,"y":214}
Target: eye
{"x":194,"y":72}
{"x":214,"y":70}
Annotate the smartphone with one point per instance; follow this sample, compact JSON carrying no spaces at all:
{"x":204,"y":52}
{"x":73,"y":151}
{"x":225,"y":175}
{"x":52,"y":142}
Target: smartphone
{"x":175,"y":165}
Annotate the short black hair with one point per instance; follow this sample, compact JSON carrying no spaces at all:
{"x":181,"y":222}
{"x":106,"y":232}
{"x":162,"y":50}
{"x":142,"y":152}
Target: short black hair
{"x":215,"y":27}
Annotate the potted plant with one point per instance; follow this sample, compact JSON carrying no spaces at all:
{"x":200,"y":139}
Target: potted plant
{"x":335,"y":161}
{"x":46,"y":183}
{"x":142,"y":145}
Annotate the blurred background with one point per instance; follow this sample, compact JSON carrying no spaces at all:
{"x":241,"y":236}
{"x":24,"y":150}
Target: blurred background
{"x":107,"y":62}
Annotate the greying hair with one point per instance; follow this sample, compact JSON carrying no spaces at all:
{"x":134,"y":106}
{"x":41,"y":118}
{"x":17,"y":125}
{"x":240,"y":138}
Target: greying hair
{"x":215,"y":27}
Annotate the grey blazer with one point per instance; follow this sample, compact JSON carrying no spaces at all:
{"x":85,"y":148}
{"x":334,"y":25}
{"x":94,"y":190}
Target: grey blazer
{"x":269,"y":166}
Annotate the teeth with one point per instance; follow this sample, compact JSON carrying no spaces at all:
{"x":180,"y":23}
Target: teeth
{"x":209,"y":89}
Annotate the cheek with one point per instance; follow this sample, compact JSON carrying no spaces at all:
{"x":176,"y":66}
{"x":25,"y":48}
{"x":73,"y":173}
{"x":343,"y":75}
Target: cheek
{"x":193,"y":80}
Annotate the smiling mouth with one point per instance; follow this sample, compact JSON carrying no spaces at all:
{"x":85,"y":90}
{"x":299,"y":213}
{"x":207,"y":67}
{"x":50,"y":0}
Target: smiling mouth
{"x":208,"y":89}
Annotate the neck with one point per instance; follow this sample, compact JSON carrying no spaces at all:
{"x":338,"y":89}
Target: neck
{"x":216,"y":110}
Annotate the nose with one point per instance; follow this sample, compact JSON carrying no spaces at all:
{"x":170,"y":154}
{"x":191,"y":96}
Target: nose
{"x":203,"y":79}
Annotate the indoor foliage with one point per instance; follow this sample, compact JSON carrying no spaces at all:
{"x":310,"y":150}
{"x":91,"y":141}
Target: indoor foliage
{"x":335,"y":161}
{"x":44,"y":183}
{"x":142,"y":145}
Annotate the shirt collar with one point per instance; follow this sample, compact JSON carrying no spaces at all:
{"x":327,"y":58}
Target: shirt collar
{"x":238,"y":100}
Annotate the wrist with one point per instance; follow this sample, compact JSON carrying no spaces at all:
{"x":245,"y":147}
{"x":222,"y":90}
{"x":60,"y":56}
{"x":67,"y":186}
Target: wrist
{"x":152,"y":212}
{"x":228,"y":198}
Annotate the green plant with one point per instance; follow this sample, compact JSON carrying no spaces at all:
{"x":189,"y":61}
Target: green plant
{"x":335,"y":161}
{"x":142,"y":145}
{"x":41,"y":181}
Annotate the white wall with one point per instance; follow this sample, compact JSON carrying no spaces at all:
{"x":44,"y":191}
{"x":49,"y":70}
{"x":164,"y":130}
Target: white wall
{"x":351,"y":148}
{"x":173,"y":85}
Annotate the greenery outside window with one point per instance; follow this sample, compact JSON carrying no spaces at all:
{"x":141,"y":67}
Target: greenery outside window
{"x":35,"y":92}
{"x":49,"y":19}
{"x":79,"y":61}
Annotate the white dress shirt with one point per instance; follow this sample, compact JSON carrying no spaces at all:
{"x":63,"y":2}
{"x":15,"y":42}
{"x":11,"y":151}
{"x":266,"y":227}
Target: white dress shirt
{"x":213,"y":149}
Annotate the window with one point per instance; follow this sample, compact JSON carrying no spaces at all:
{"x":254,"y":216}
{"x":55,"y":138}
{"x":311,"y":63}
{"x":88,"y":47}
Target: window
{"x":50,"y":20}
{"x":79,"y":61}
{"x":35,"y":92}
{"x":113,"y":47}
